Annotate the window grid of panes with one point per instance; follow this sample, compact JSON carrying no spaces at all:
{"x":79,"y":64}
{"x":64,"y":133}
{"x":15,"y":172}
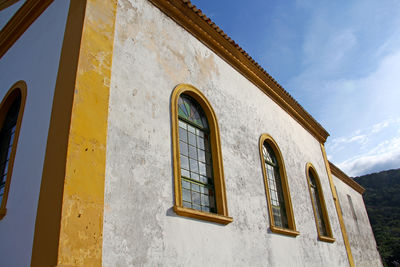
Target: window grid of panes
{"x":7,"y":134}
{"x":195,"y":156}
{"x":317,"y":205}
{"x":275,"y":187}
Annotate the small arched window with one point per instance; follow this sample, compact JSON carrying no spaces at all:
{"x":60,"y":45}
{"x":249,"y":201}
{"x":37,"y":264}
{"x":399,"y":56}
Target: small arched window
{"x":276,"y":188}
{"x":11,"y":110}
{"x":199,"y":182}
{"x":318,"y":204}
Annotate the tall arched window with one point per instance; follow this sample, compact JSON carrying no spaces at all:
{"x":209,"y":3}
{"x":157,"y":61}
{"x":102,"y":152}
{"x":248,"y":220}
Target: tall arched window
{"x":199,"y":181}
{"x":318,"y":204}
{"x":11,"y":110}
{"x":276,"y":188}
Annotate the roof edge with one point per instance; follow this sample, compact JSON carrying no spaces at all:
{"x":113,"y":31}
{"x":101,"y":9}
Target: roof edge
{"x":200,"y":26}
{"x":346,"y":179}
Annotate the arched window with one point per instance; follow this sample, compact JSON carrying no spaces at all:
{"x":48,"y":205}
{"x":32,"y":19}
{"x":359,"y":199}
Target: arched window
{"x":318,"y":204}
{"x":11,"y":110}
{"x":276,"y":188}
{"x":199,"y":181}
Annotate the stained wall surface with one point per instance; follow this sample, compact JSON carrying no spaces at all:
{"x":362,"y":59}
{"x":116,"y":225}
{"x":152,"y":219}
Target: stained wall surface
{"x":152,"y":55}
{"x":34,"y":58}
{"x":359,"y":231}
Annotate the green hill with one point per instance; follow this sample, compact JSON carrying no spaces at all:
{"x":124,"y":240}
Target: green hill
{"x":382,"y":199}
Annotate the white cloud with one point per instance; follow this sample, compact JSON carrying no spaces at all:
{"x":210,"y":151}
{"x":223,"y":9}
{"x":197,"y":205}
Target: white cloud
{"x":368,"y":152}
{"x":384,"y":158}
{"x":379,"y":126}
{"x":339,"y":142}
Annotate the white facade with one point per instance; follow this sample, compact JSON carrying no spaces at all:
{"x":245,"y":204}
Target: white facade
{"x":152,"y":54}
{"x":359,"y":231}
{"x":34,"y":58}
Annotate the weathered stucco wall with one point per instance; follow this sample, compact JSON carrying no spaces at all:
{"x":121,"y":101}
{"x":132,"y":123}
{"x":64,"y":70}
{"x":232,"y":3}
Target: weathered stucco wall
{"x":34,"y":58}
{"x":152,"y":54}
{"x":359,"y":231}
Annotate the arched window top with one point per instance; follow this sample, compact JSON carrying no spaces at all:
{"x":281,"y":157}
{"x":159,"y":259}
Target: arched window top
{"x":318,"y":203}
{"x":198,"y":171}
{"x":189,"y":110}
{"x":269,"y":155}
{"x":11,"y":110}
{"x":276,"y":188}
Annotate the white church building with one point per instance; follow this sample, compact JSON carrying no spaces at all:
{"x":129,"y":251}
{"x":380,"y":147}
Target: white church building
{"x":137,"y":133}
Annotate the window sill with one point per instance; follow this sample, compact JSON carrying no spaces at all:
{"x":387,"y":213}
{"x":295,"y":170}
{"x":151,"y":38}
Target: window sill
{"x":212,"y":217}
{"x":284,"y":231}
{"x":3,"y":212}
{"x":326,"y":239}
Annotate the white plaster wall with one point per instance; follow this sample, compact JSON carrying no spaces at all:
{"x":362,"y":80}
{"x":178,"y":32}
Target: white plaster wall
{"x":152,"y":54}
{"x":359,"y":231}
{"x":34,"y":58}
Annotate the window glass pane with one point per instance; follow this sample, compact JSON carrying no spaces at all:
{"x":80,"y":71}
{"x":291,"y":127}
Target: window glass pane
{"x":185,"y":184}
{"x":186,"y":195}
{"x":184,"y":162}
{"x":195,"y":187}
{"x":317,"y":204}
{"x":185,"y":173}
{"x":182,"y":134}
{"x":202,"y":155}
{"x":194,"y":165}
{"x":202,"y":168}
{"x":206,"y":209}
{"x":196,"y":207}
{"x":197,"y":184}
{"x":192,"y":139}
{"x":196,"y":198}
{"x":200,"y":133}
{"x":275,"y":187}
{"x":183,"y":148}
{"x":191,"y":129}
{"x":194,"y":176}
{"x":204,"y":179}
{"x":192,"y":152}
{"x":6,"y":138}
{"x":182,"y":124}
{"x":200,"y":142}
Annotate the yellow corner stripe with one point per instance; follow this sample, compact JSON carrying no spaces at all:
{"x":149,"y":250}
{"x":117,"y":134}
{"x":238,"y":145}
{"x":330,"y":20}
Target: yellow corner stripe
{"x":81,"y":230}
{"x":338,"y":210}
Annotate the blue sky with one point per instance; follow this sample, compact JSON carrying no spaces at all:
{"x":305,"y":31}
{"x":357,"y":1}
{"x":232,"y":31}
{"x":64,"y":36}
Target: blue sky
{"x":339,"y":59}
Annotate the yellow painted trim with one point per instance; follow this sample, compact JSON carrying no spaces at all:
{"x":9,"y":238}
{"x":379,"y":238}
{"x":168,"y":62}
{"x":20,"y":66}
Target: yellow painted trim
{"x":219,"y":181}
{"x":346,"y":179}
{"x":18,"y":89}
{"x":47,"y":225}
{"x":20,"y":22}
{"x":325,"y":216}
{"x":69,"y":221}
{"x":285,"y":188}
{"x":337,"y":206}
{"x":81,"y":232}
{"x":6,"y":3}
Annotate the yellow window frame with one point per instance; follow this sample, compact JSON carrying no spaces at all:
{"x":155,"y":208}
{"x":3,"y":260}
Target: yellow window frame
{"x":18,"y":89}
{"x":329,"y":237}
{"x":291,"y":230}
{"x":221,"y":216}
